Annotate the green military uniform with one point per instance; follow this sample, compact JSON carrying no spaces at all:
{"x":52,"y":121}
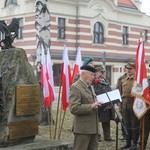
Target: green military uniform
{"x":105,"y":112}
{"x":132,"y":123}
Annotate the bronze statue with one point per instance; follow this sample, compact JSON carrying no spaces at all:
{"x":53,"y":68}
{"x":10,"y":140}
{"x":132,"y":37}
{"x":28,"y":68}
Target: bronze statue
{"x":10,"y":32}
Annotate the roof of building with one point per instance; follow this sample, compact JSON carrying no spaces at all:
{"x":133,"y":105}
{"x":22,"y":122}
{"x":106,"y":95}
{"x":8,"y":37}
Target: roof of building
{"x":121,"y":3}
{"x":127,"y":4}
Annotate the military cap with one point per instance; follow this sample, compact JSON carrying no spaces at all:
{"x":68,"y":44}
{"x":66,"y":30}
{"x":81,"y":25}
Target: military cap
{"x":130,"y":66}
{"x":88,"y":68}
{"x":99,"y":68}
{"x":87,"y":60}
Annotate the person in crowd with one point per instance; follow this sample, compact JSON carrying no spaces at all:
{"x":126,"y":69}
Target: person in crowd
{"x":83,"y":105}
{"x":119,"y":83}
{"x":87,"y":61}
{"x":106,"y":112}
{"x":132,"y":123}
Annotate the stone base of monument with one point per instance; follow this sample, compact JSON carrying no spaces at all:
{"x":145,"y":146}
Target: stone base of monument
{"x":42,"y":145}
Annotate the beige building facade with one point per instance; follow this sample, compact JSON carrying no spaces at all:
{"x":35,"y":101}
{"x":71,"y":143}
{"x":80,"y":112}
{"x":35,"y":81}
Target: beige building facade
{"x":107,"y":30}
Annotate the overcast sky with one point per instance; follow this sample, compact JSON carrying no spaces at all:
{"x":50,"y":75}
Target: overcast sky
{"x":145,"y":6}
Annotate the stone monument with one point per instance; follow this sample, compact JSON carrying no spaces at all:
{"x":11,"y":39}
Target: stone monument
{"x":19,"y":96}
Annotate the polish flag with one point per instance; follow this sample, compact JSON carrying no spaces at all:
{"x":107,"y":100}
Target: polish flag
{"x":50,"y":77}
{"x":78,"y":64}
{"x":65,"y":79}
{"x":46,"y":79}
{"x":140,"y":87}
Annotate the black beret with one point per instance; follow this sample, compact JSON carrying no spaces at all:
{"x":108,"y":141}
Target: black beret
{"x":88,"y":68}
{"x":87,"y":60}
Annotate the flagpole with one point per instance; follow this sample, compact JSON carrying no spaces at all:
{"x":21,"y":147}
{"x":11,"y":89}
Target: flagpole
{"x":61,"y":125}
{"x":49,"y":122}
{"x":143,"y":118}
{"x":143,"y":130}
{"x":60,"y":116}
{"x":57,"y":110}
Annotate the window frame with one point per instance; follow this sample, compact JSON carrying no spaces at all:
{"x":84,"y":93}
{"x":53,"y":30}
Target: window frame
{"x":61,"y":28}
{"x":145,"y":37}
{"x":20,"y":30}
{"x":56,"y":72}
{"x":98,"y":33}
{"x":125,"y":35}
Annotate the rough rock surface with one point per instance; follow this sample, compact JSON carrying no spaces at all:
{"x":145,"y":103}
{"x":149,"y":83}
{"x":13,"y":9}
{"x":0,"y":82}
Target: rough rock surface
{"x":14,"y":70}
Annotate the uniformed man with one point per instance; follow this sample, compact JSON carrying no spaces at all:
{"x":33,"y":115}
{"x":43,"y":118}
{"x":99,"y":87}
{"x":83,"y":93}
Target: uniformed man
{"x":132,"y":123}
{"x":83,"y":106}
{"x":105,"y":112}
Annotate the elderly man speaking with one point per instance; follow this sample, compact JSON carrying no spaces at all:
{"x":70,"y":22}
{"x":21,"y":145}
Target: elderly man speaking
{"x":83,"y":105}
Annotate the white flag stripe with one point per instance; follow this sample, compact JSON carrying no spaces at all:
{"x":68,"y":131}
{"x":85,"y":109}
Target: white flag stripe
{"x":50,"y":71}
{"x":65,"y":70}
{"x":78,"y":58}
{"x":139,"y":62}
{"x":45,"y":86}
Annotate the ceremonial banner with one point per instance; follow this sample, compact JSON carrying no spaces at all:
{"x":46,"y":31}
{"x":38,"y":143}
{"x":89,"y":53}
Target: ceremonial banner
{"x":140,"y":87}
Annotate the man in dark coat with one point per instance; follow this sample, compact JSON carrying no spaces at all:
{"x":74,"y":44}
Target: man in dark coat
{"x":105,"y":112}
{"x":83,"y":106}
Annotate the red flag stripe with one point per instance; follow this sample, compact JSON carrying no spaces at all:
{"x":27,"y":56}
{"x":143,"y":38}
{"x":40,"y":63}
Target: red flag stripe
{"x":77,"y":65}
{"x":45,"y":76}
{"x":66,"y":79}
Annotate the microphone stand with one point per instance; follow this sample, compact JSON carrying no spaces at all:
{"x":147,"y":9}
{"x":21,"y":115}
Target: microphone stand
{"x":117,"y":119}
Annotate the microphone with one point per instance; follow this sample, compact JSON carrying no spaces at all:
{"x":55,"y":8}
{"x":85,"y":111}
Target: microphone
{"x":103,"y":82}
{"x":100,"y":81}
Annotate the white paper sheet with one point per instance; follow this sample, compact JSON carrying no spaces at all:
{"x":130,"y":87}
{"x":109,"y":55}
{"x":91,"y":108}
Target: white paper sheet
{"x":113,"y":95}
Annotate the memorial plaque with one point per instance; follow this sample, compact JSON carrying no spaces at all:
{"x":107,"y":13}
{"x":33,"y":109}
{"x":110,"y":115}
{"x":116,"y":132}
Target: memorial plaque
{"x":27,"y":99}
{"x":22,"y":129}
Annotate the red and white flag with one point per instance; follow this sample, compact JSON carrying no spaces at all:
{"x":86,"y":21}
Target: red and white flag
{"x":78,"y":64}
{"x":50,"y":77}
{"x":65,"y":79}
{"x":140,"y":87}
{"x":46,"y":79}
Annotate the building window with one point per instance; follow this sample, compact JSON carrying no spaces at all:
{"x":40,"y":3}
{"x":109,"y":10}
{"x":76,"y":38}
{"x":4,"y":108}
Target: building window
{"x":56,"y":73}
{"x":98,"y":33}
{"x":61,"y":28}
{"x":125,"y":35}
{"x":145,"y":35}
{"x":20,"y":30}
{"x":8,"y":2}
